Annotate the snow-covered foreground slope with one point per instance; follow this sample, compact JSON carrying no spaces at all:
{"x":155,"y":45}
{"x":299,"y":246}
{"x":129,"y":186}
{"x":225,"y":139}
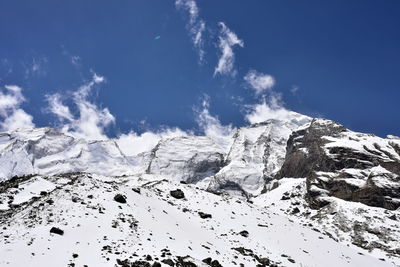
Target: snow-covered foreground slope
{"x":153,"y":226}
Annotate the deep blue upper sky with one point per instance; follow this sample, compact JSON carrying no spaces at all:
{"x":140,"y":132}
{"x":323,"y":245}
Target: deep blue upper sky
{"x":343,"y":56}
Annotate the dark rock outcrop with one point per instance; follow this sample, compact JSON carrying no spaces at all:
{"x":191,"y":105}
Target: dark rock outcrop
{"x":178,"y":194}
{"x":120,"y":198}
{"x":56,"y":230}
{"x":344,"y":164}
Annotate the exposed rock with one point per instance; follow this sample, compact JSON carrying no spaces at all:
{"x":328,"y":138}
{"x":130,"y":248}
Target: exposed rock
{"x":204,"y":215}
{"x":120,"y":198}
{"x":244,"y":233}
{"x":215,"y":263}
{"x":295,"y":210}
{"x":168,"y":262}
{"x":56,"y":230}
{"x":178,"y":194}
{"x":207,"y":260}
{"x":344,"y":164}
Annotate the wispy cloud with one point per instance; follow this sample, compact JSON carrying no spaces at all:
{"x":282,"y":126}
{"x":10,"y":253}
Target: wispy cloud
{"x":133,"y":143}
{"x":13,"y":117}
{"x":91,"y":121}
{"x":212,"y":126}
{"x":227,"y":40}
{"x":272,"y":107}
{"x":260,"y":82}
{"x":294,"y":89}
{"x":196,"y":26}
{"x":37,"y":66}
{"x":75,"y":60}
{"x":6,"y":68}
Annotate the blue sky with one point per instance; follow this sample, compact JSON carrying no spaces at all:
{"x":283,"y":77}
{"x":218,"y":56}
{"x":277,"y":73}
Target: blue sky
{"x":334,"y":59}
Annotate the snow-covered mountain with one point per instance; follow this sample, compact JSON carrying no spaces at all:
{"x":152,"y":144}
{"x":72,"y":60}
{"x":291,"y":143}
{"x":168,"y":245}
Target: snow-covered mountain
{"x":292,"y":192}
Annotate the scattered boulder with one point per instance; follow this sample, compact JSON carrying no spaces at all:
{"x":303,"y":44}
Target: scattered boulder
{"x":204,"y":215}
{"x":120,"y":198}
{"x":178,"y":194}
{"x":244,"y":233}
{"x":55,"y":230}
{"x":207,"y":261}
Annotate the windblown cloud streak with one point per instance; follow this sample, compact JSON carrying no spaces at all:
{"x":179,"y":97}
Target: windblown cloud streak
{"x":133,"y":143}
{"x":196,"y":26}
{"x":213,"y":128}
{"x":91,"y":120}
{"x":260,"y":82}
{"x":227,"y":40}
{"x":13,"y":116}
{"x":272,"y":107}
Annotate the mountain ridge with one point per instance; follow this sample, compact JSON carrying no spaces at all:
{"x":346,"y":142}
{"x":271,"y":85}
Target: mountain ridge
{"x":309,"y":175}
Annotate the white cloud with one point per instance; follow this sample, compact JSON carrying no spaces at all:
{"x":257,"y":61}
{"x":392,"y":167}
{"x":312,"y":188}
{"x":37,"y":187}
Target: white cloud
{"x":294,"y":89}
{"x":213,"y":128}
{"x":75,"y":60}
{"x":196,"y":26}
{"x":226,"y":41}
{"x":56,"y":107}
{"x":260,"y":82}
{"x":36,"y":67}
{"x":132,"y":143}
{"x":13,"y":116}
{"x":272,"y":108}
{"x":91,"y":120}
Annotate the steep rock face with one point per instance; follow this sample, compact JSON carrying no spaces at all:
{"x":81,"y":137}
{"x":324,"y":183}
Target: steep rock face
{"x":257,"y":153}
{"x":341,"y":163}
{"x":189,"y":158}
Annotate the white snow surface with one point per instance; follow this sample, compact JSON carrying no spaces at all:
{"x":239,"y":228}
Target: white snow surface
{"x":100,"y":230}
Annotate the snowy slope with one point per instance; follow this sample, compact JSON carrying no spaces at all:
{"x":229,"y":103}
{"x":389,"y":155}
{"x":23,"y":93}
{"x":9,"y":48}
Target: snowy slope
{"x":98,"y":230}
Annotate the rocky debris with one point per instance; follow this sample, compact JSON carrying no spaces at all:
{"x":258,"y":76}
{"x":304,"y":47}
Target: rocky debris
{"x":295,"y":210}
{"x":120,"y":198}
{"x":184,"y":262}
{"x":178,"y":194}
{"x":263,"y":261}
{"x":204,"y":215}
{"x":168,"y":262}
{"x":344,"y":164}
{"x":56,"y":230}
{"x":210,"y":262}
